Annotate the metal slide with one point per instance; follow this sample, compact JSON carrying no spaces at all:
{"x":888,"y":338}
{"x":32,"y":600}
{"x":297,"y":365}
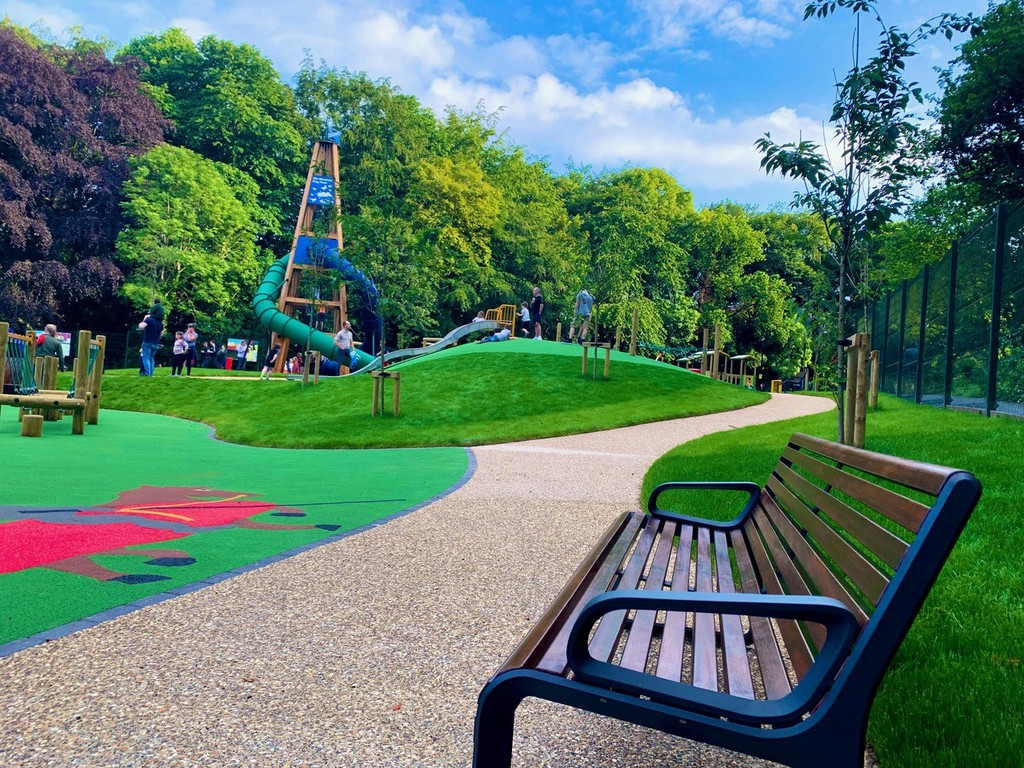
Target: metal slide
{"x":264,"y":304}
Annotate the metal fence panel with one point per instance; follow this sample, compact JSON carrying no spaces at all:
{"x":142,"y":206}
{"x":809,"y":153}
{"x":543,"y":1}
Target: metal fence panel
{"x":933,"y":356}
{"x":891,"y":345}
{"x":1010,"y":374}
{"x":910,"y":353}
{"x":972,"y":319}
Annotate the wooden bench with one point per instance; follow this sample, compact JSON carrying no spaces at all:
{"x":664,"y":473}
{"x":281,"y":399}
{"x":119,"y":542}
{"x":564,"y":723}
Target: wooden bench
{"x":767,"y":635}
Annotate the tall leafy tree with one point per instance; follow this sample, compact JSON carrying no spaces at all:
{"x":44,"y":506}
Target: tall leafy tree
{"x":191,"y":241}
{"x":631,"y":221}
{"x":69,"y":122}
{"x":981,"y":113}
{"x":228,"y":103}
{"x":880,"y":145}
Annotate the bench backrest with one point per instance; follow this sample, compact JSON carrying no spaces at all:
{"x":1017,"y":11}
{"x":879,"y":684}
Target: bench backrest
{"x":869,"y":530}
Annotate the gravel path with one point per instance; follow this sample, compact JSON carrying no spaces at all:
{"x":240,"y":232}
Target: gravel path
{"x":367,"y":652}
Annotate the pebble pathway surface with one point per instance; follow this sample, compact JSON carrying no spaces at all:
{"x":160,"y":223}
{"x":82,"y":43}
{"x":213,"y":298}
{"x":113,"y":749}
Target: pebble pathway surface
{"x":367,"y":652}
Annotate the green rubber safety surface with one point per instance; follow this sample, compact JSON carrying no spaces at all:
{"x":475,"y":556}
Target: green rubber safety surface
{"x":144,"y":504}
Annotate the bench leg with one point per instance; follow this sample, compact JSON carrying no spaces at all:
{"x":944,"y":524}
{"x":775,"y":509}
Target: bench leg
{"x":495,"y":723}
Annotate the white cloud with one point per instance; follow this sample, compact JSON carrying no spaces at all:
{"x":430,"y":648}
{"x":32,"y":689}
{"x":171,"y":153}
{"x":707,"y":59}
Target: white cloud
{"x":195,"y":28}
{"x":675,"y":23}
{"x":634,"y":123}
{"x":54,"y":19}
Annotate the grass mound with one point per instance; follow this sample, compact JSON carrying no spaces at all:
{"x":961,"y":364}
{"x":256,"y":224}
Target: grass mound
{"x":470,"y":395}
{"x":949,"y":696}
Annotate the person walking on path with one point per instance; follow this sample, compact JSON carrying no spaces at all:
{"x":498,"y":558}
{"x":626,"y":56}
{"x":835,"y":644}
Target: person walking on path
{"x":536,"y":312}
{"x":151,"y":327}
{"x":581,"y":315}
{"x":240,"y":353}
{"x":51,"y":346}
{"x":180,"y":352}
{"x":191,"y":337}
{"x":343,"y":341}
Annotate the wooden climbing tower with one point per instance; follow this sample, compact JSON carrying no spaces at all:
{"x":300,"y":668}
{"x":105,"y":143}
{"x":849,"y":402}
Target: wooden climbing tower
{"x":317,"y":235}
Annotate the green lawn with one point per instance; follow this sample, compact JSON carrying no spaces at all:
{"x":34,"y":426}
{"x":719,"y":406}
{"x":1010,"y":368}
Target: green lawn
{"x":468,"y":395}
{"x":951,"y":694}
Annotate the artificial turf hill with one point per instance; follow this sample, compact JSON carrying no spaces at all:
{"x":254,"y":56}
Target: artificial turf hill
{"x":467,"y":395}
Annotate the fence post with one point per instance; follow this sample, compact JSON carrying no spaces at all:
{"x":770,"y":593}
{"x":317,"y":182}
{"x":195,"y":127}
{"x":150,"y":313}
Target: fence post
{"x":885,"y":338}
{"x":903,"y":329}
{"x":920,"y":335}
{"x":873,"y":397}
{"x":954,"y":257}
{"x":997,"y":301}
{"x":850,"y":410}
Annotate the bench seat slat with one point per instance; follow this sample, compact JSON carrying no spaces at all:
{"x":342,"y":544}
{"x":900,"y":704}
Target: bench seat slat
{"x":673,"y":637}
{"x":888,"y":547}
{"x":766,"y":647}
{"x":705,"y":655}
{"x":918,"y":475}
{"x":641,"y":632}
{"x":544,"y":650}
{"x":609,"y":630}
{"x":861,"y":572}
{"x":799,"y":651}
{"x":896,"y":507}
{"x":734,"y":646}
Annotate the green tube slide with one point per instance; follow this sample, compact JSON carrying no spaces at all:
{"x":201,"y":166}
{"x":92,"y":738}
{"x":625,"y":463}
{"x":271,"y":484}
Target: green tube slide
{"x":264,"y":304}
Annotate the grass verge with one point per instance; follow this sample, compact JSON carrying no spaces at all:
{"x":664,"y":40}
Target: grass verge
{"x":471,"y":395}
{"x":950,"y":695}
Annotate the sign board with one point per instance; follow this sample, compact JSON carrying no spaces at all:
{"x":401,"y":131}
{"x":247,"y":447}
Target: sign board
{"x":321,"y":191}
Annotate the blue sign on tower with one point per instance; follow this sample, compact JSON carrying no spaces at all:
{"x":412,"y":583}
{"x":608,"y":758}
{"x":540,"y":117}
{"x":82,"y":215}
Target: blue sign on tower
{"x":321,"y":191}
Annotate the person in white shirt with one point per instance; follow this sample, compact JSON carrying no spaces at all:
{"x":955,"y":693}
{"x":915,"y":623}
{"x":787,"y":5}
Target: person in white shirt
{"x":343,"y":341}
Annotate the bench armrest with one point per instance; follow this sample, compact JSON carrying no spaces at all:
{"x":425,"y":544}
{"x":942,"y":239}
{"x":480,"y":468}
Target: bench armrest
{"x":753,"y":489}
{"x":838,"y":620}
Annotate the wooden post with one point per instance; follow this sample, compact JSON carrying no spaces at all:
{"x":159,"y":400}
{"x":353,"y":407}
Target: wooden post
{"x":96,"y":382}
{"x":607,"y":360}
{"x":873,"y":396}
{"x":632,"y":333}
{"x":50,"y":365}
{"x":861,"y":405}
{"x":378,"y":378}
{"x":558,"y":331}
{"x":586,"y":353}
{"x":316,"y":368}
{"x":618,"y":337}
{"x":704,"y":356}
{"x":32,"y":425}
{"x":851,"y":393}
{"x":718,"y":346}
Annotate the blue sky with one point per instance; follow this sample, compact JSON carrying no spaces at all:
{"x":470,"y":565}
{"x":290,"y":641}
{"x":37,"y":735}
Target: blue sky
{"x":685,"y":85}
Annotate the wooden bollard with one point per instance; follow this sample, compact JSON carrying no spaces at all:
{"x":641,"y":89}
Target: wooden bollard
{"x":861,"y":402}
{"x":558,"y":332}
{"x":32,"y":425}
{"x":632,"y":332}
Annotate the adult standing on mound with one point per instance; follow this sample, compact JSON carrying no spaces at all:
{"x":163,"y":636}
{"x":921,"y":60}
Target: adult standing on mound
{"x":191,"y":338}
{"x":343,"y":341}
{"x":581,"y":315}
{"x":536,"y":312}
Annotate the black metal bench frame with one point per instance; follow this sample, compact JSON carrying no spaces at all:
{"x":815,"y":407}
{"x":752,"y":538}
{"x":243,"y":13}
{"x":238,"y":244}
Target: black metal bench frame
{"x":836,"y":552}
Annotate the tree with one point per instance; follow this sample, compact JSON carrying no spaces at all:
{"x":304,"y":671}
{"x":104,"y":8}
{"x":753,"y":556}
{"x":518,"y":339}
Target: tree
{"x":631,"y":222}
{"x":229,"y":105}
{"x":69,"y":122}
{"x":190,"y":239}
{"x":981,"y":113}
{"x":880,"y":146}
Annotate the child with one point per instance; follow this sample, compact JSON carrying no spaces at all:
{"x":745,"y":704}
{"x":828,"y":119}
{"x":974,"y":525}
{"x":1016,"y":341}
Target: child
{"x":524,"y":318}
{"x":268,"y":364}
{"x":180,"y":353}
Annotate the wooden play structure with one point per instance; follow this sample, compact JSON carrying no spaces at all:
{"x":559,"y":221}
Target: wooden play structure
{"x":29,"y":382}
{"x":320,"y":195}
{"x":739,"y":371}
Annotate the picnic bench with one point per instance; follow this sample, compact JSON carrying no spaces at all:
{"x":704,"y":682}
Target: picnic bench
{"x":767,"y":635}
